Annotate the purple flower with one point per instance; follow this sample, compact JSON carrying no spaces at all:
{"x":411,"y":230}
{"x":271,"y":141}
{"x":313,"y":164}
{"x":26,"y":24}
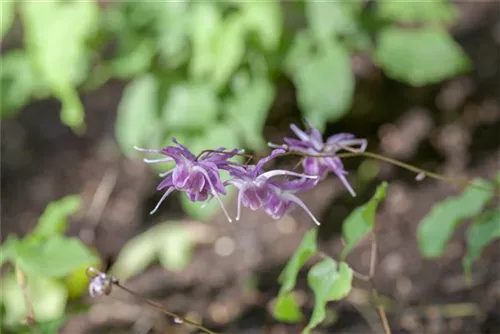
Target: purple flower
{"x":198,"y":177}
{"x":100,"y":284}
{"x":257,"y":189}
{"x":312,"y":144}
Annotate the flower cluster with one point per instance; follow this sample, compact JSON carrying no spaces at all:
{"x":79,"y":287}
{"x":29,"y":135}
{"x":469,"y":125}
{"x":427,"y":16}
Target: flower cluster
{"x":199,"y":176}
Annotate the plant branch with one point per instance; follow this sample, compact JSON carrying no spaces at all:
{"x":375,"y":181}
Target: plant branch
{"x":23,"y":284}
{"x":101,"y":284}
{"x":165,"y":311}
{"x":419,"y":171}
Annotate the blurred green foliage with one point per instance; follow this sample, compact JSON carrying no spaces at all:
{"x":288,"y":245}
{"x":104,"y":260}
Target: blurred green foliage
{"x":477,"y":203}
{"x":50,"y":264}
{"x":193,"y":66}
{"x":169,"y":243}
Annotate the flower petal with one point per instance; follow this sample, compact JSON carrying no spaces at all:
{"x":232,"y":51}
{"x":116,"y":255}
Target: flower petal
{"x":180,"y":175}
{"x":166,"y":182}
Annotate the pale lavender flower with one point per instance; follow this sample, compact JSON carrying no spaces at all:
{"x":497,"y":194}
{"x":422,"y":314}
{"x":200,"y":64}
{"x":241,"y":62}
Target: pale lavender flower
{"x":198,"y":177}
{"x":101,"y":283}
{"x":257,"y":189}
{"x":312,"y":144}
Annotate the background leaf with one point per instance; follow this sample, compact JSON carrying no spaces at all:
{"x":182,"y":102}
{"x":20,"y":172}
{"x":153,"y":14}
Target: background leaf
{"x":328,"y":19}
{"x":20,"y":82}
{"x":135,"y":61}
{"x":265,"y":19}
{"x":328,"y":283}
{"x":136,"y":255}
{"x":7,"y":16}
{"x":420,"y":56}
{"x":56,"y":257}
{"x":248,"y":109}
{"x":190,"y":106}
{"x":360,"y":222}
{"x":168,"y":242}
{"x":137,"y":116}
{"x":49,"y":25}
{"x":54,"y":219}
{"x":437,"y":227}
{"x":325,"y":82}
{"x":176,"y":247}
{"x":418,"y":11}
{"x":230,"y":49}
{"x":48,"y":298}
{"x":479,"y":235}
{"x":203,"y":35}
{"x":8,"y":249}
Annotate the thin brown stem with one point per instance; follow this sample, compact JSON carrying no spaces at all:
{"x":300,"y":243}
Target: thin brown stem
{"x":23,"y":285}
{"x":375,"y":156}
{"x":101,"y":284}
{"x":163,"y":310}
{"x":383,"y":319}
{"x":249,"y":156}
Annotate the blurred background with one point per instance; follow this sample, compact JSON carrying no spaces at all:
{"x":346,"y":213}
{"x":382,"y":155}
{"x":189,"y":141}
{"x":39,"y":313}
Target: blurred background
{"x":83,"y":82}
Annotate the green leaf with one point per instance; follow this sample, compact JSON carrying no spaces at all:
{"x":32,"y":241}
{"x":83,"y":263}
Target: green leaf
{"x":54,"y":219}
{"x":479,"y":235}
{"x":176,"y":247}
{"x":19,"y":82}
{"x":418,"y":11}
{"x":55,"y":35}
{"x":57,"y":257}
{"x":343,"y":284}
{"x":190,"y":106}
{"x":328,"y":283}
{"x":420,"y":56}
{"x":324,"y":80}
{"x":265,"y":19}
{"x":360,"y":222}
{"x":168,"y":242}
{"x":230,"y":49}
{"x":204,"y":32}
{"x":136,"y":255}
{"x":8,"y":250}
{"x":137,"y":117}
{"x":53,"y":326}
{"x":304,"y":252}
{"x":286,"y":309}
{"x":328,"y":19}
{"x":172,"y":23}
{"x":248,"y":109}
{"x":48,"y":299}
{"x":7,"y":16}
{"x":136,"y":60}
{"x":437,"y":227}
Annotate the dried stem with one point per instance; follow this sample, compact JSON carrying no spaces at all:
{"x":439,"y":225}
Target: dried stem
{"x":371,"y":275}
{"x":419,"y":171}
{"x":101,"y":284}
{"x":23,"y":285}
{"x":165,"y":311}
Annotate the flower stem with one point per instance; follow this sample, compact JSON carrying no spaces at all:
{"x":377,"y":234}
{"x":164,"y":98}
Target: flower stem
{"x":419,"y":171}
{"x":162,"y":309}
{"x":23,"y":284}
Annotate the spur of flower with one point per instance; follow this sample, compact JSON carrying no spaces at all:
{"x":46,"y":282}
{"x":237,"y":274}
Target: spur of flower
{"x":320,"y":156}
{"x":197,"y":176}
{"x":259,"y":189}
